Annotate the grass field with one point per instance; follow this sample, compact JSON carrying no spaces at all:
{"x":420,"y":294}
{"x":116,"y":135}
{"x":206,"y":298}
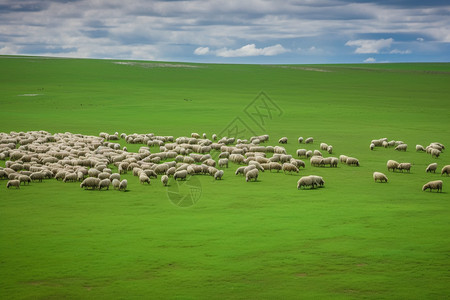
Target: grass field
{"x":353,"y":239}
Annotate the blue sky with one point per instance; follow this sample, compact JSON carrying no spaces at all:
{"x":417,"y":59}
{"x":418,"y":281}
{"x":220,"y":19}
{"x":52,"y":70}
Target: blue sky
{"x":232,"y":31}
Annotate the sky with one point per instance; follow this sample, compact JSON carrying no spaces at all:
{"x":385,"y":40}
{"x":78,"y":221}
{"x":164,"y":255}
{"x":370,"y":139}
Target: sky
{"x":229,"y":31}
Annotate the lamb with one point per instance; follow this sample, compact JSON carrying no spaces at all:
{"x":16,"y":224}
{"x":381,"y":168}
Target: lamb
{"x":252,"y":174}
{"x":351,"y":161}
{"x":143,"y":178}
{"x":431,"y":168}
{"x":90,"y":182}
{"x":392,"y":165}
{"x":123,"y":185}
{"x":401,"y":147}
{"x":433,"y":185}
{"x":379,"y":176}
{"x":445,"y":170}
{"x":165,"y":180}
{"x":420,"y":148}
{"x":70,"y":177}
{"x":223,"y":162}
{"x":288,"y":167}
{"x":283,"y":140}
{"x":14,"y":182}
{"x":309,"y":140}
{"x":306,"y":181}
{"x":180,"y":175}
{"x":116,"y":183}
{"x":404,"y":166}
{"x":25,"y":179}
{"x":104,"y":183}
{"x":239,"y":170}
{"x":218,"y":175}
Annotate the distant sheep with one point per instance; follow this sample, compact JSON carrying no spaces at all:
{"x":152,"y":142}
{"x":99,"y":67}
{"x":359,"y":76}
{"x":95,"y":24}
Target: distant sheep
{"x":404,"y":166}
{"x":257,"y":165}
{"x":283,"y":140}
{"x":401,"y":147}
{"x":105,"y":183}
{"x":218,"y":175}
{"x":301,"y":152}
{"x":288,"y":167}
{"x":180,"y":175}
{"x":239,"y":170}
{"x":300,"y":140}
{"x":392,"y":165}
{"x":372,"y":146}
{"x":25,"y":179}
{"x":275,"y":166}
{"x":351,"y":161}
{"x":318,"y":180}
{"x":420,"y":148}
{"x":435,"y":153}
{"x":70,"y":177}
{"x":431,"y":168}
{"x":379,"y":176}
{"x":306,"y":181}
{"x":116,"y":183}
{"x":123,"y":185}
{"x":330,"y":149}
{"x":90,"y":182}
{"x":38,"y":176}
{"x":316,"y":161}
{"x":143,"y":178}
{"x":323,"y":146}
{"x":15,"y":183}
{"x":165,"y":180}
{"x":223,"y":162}
{"x":445,"y":170}
{"x":433,"y":185}
{"x":343,"y":158}
{"x":252,"y":174}
{"x":309,"y":140}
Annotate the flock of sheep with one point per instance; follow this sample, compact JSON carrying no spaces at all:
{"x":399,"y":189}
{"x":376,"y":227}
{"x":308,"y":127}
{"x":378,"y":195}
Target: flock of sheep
{"x":38,"y":155}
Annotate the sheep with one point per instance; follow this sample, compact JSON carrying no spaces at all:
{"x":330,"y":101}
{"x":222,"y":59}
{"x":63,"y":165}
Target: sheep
{"x":180,"y":175}
{"x":214,"y":137}
{"x":445,"y":170}
{"x":283,"y":140}
{"x":239,"y":170}
{"x":275,"y":166}
{"x":70,"y":177}
{"x":212,"y":170}
{"x":351,"y":161}
{"x":143,"y":178}
{"x":104,"y":175}
{"x":372,"y":146}
{"x":90,"y":182}
{"x":332,"y":161}
{"x":93,"y":172}
{"x":218,"y":175}
{"x":237,"y":158}
{"x":80,"y":176}
{"x":309,"y":153}
{"x":25,"y":179}
{"x":323,"y":146}
{"x":123,"y":168}
{"x":257,"y":165}
{"x":224,"y":155}
{"x":172,"y":171}
{"x":123,"y":185}
{"x":288,"y":167}
{"x":343,"y":158}
{"x":38,"y":176}
{"x":431,"y":168}
{"x":379,"y":176}
{"x":330,"y":149}
{"x":249,"y":168}
{"x":301,"y":152}
{"x":317,"y":153}
{"x":404,"y":166}
{"x":392,"y":165}
{"x":300,"y":140}
{"x":14,"y":182}
{"x":297,"y":162}
{"x":210,"y":162}
{"x":114,"y":176}
{"x":165,"y":180}
{"x":316,"y":161}
{"x":401,"y":147}
{"x":309,"y":140}
{"x":116,"y":183}
{"x":306,"y":181}
{"x":435,"y":153}
{"x":223,"y":162}
{"x":318,"y":180}
{"x":433,"y":185}
{"x":104,"y":183}
{"x":150,"y":173}
{"x":252,"y":174}
{"x":420,"y":148}
{"x":60,"y":175}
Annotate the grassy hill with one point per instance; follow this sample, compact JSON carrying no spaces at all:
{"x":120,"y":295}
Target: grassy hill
{"x":352,"y":239}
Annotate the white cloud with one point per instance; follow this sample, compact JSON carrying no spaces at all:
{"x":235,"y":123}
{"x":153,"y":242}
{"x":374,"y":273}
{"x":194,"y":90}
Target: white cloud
{"x":396,"y":51}
{"x":370,"y":46}
{"x":251,"y":50}
{"x":201,"y":51}
{"x":420,"y":39}
{"x":370,"y":60}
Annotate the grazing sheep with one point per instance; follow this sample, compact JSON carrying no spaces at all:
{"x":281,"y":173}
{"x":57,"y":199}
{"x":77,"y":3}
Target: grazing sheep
{"x":60,"y":175}
{"x":180,"y":175}
{"x":114,"y":176}
{"x":223,"y":162}
{"x":93,"y":172}
{"x":70,"y":177}
{"x":445,"y":170}
{"x":309,"y":153}
{"x":218,"y":175}
{"x":123,"y":185}
{"x":275,"y":166}
{"x":379,"y":176}
{"x":331,"y":161}
{"x":432,"y":168}
{"x":151,"y":173}
{"x":420,"y":148}
{"x":300,"y":140}
{"x":143,"y":178}
{"x":404,"y":166}
{"x":297,"y":162}
{"x":372,"y":146}
{"x":401,"y":147}
{"x":14,"y":182}
{"x":249,"y":168}
{"x":257,"y":165}
{"x":316,"y":161}
{"x":433,"y":185}
{"x":343,"y":158}
{"x":80,"y":176}
{"x":172,"y":171}
{"x":288,"y":167}
{"x":252,"y":174}
{"x":25,"y":179}
{"x":351,"y":161}
{"x":123,"y":168}
{"x":309,"y":140}
{"x":104,"y":175}
{"x":105,"y":183}
{"x":323,"y":146}
{"x":301,"y":152}
{"x":318,"y":180}
{"x":165,"y":180}
{"x":38,"y":176}
{"x":90,"y":182}
{"x":392,"y":165}
{"x":212,"y":170}
{"x":330,"y":149}
{"x":435,"y":153}
{"x":214,"y":137}
{"x":239,"y":170}
{"x":306,"y":181}
{"x":283,"y":140}
{"x":317,"y":153}
{"x":116,"y":183}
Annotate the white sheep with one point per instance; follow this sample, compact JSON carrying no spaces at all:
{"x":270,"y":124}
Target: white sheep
{"x":401,"y":147}
{"x":306,"y":181}
{"x":275,"y":166}
{"x":257,"y":165}
{"x":372,"y":146}
{"x":218,"y":175}
{"x":404,"y":166}
{"x":431,"y":168}
{"x":318,"y":180}
{"x":301,"y":152}
{"x":123,"y":185}
{"x":37,"y":176}
{"x":288,"y":167}
{"x":14,"y":182}
{"x":165,"y":180}
{"x":433,"y":185}
{"x":105,"y":183}
{"x":330,"y":149}
{"x":309,"y":140}
{"x":420,"y":148}
{"x":323,"y":146}
{"x":351,"y":161}
{"x":143,"y":178}
{"x":223,"y":162}
{"x":90,"y":182}
{"x":180,"y":175}
{"x":252,"y":174}
{"x":379,"y":176}
{"x":316,"y":161}
{"x":300,"y":140}
{"x":240,"y":170}
{"x":445,"y":170}
{"x":70,"y":177}
{"x":392,"y":165}
{"x":25,"y":179}
{"x":116,"y":183}
{"x":343,"y":158}
{"x":283,"y":140}
{"x":435,"y":153}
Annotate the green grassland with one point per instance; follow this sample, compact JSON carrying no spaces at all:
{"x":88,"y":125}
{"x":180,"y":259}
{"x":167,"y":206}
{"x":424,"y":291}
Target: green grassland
{"x":352,"y":239}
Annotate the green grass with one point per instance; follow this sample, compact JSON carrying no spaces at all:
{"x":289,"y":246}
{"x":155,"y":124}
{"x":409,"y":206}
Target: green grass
{"x":352,"y":239}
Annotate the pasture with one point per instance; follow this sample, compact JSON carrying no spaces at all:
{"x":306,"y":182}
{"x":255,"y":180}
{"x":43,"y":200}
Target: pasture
{"x":351,"y":239}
